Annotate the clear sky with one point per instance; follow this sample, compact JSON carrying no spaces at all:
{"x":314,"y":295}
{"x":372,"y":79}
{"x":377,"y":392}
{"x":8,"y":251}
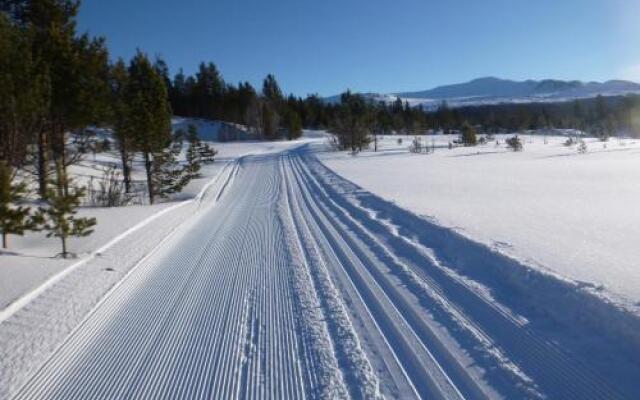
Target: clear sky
{"x":327,"y":46}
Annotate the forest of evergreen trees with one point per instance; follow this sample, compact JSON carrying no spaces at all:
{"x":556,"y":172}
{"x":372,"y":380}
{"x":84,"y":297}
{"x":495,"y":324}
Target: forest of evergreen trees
{"x":355,"y":118}
{"x":55,"y":82}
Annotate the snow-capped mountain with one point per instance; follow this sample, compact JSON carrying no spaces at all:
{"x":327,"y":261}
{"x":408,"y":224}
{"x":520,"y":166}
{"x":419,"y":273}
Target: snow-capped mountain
{"x":490,"y":90}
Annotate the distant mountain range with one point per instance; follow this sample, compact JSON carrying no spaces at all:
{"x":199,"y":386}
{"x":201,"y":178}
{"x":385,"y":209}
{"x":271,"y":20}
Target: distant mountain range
{"x":490,"y":90}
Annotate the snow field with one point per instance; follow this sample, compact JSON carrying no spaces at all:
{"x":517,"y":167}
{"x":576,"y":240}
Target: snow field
{"x":553,"y":209}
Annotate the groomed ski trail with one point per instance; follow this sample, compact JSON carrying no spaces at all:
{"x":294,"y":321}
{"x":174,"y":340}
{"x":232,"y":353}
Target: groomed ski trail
{"x":294,"y":287}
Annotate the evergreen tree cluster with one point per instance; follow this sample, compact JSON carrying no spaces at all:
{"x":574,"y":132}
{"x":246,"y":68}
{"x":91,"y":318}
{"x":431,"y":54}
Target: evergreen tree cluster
{"x":270,"y":114}
{"x":599,"y":117}
{"x":54,"y":83}
{"x":206,"y":95}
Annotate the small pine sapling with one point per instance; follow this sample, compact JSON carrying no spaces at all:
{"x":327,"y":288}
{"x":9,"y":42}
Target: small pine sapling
{"x":207,"y":153}
{"x":193,"y":155}
{"x":515,"y":143}
{"x":582,"y":147}
{"x":468,"y":136}
{"x":58,"y":217}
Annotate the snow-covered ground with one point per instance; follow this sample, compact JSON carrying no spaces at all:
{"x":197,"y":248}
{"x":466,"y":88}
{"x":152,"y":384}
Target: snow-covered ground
{"x":549,"y":206}
{"x":287,"y":281}
{"x":282,"y":279}
{"x":43,"y":298}
{"x":32,"y":259}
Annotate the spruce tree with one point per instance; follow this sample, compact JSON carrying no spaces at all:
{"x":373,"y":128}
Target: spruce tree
{"x":14,"y":218}
{"x":207,"y":153}
{"x":58,"y":217}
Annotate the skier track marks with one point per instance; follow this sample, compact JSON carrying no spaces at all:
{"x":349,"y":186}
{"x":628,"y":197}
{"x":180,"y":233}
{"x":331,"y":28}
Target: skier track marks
{"x":528,"y":366}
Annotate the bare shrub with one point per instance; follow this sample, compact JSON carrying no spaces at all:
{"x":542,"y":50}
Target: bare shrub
{"x":109,"y":190}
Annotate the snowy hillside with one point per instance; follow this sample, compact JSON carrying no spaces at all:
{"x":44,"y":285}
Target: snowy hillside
{"x":490,"y":90}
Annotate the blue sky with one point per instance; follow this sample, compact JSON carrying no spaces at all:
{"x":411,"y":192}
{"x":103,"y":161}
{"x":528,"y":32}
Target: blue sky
{"x":327,"y":46}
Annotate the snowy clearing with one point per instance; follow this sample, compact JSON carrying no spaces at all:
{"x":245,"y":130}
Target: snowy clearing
{"x":550,"y":207}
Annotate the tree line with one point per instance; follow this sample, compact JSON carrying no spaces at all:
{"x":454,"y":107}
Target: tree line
{"x":356,"y":120}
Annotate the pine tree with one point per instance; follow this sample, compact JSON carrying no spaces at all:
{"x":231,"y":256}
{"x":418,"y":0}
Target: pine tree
{"x":23,"y":97}
{"x":352,"y":123}
{"x":148,"y":118}
{"x":468,"y":136}
{"x":271,"y":90}
{"x":76,"y":70}
{"x":14,"y":219}
{"x":293,"y":124}
{"x":122,"y":133}
{"x":445,"y":117}
{"x":246,"y":97}
{"x":208,"y":89}
{"x":602,"y":122}
{"x":269,"y":121}
{"x":167,"y":175}
{"x":193,"y":154}
{"x":58,"y":217}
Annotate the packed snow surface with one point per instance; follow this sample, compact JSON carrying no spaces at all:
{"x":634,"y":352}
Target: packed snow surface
{"x":550,"y":206}
{"x":287,"y":281}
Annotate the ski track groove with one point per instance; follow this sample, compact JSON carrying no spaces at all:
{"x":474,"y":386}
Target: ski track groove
{"x":425,"y":373}
{"x":342,"y":338}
